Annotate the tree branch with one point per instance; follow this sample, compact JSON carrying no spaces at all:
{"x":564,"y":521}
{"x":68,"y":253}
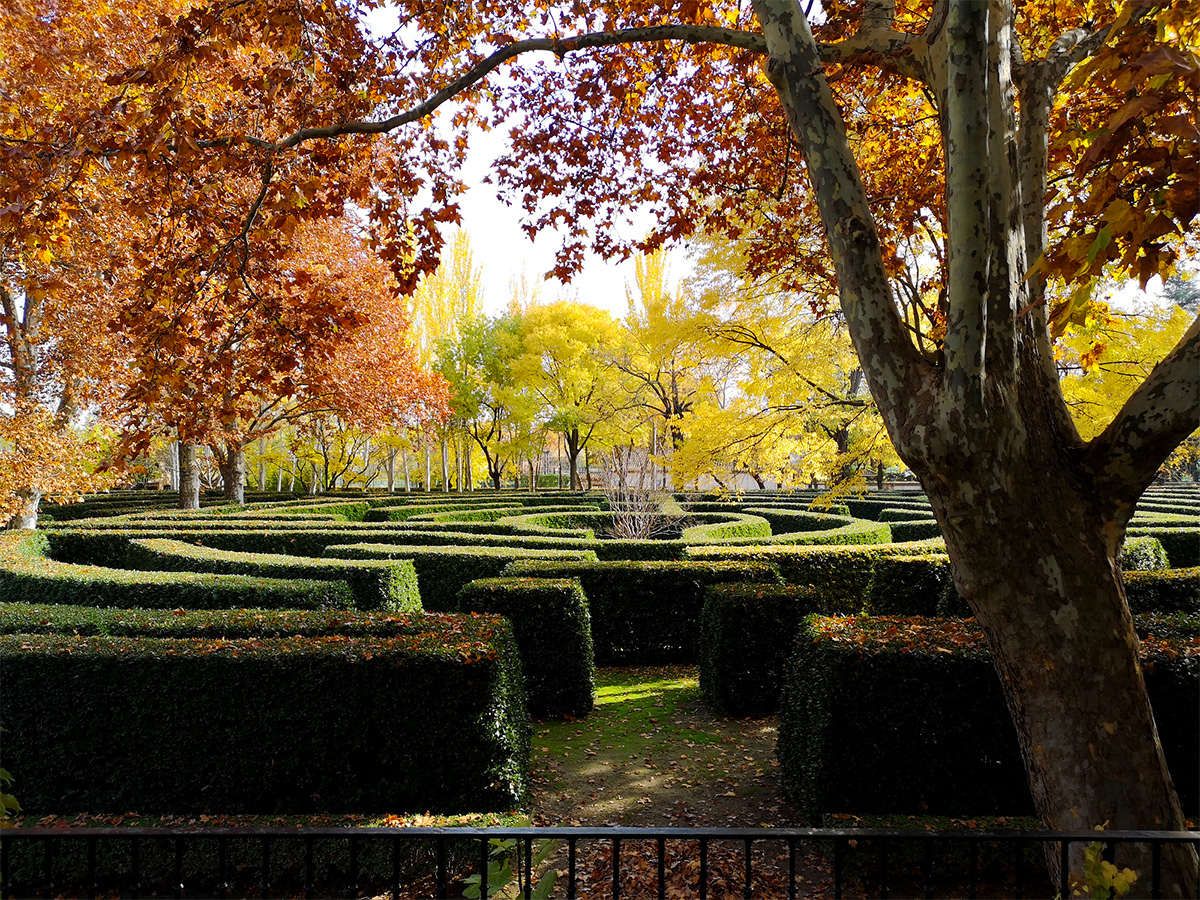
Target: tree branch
{"x":888,"y":356}
{"x":1163,"y":411}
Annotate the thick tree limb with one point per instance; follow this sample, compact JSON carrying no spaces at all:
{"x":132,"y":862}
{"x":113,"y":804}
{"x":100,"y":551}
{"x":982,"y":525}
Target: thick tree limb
{"x":888,"y":356}
{"x":1163,"y":411}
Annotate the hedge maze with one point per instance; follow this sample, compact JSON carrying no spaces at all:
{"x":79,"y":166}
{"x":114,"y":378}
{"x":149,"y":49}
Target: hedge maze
{"x":375,"y":653}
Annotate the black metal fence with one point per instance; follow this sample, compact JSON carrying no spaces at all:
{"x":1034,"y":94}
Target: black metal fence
{"x":437,"y":862}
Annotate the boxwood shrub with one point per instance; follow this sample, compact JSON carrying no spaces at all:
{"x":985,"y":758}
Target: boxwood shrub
{"x":26,"y":575}
{"x":907,"y":716}
{"x":431,"y":721}
{"x":645,"y":612}
{"x":1181,"y":543}
{"x":1143,"y":553}
{"x":388,"y":584}
{"x":747,"y":633}
{"x":443,"y":571}
{"x":554,"y":635}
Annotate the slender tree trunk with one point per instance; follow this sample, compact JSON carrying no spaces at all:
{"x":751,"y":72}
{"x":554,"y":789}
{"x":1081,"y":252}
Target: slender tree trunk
{"x":587,"y":467}
{"x":879,"y":473}
{"x":189,"y":476}
{"x":458,"y":459}
{"x":429,"y":463}
{"x":391,"y":471}
{"x":26,"y":518}
{"x":468,"y":452}
{"x":279,"y":479}
{"x":445,"y":465}
{"x":233,"y":474}
{"x":407,"y":473}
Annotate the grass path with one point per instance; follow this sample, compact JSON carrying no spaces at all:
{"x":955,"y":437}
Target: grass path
{"x":652,"y":753}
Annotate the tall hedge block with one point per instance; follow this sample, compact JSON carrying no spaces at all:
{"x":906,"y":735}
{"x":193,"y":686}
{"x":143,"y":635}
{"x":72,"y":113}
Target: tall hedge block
{"x":645,"y":612}
{"x":907,"y":716}
{"x":908,"y":585}
{"x":431,"y":721}
{"x":1164,"y":590}
{"x":747,"y":633}
{"x":1181,"y":543}
{"x":554,"y":636}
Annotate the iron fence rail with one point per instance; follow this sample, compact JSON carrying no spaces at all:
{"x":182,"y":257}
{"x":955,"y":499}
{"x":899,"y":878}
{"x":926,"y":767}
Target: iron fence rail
{"x":838,"y":842}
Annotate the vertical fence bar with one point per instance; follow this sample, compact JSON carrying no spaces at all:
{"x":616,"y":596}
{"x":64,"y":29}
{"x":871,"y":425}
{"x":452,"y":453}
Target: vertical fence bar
{"x":48,"y":866}
{"x":265,"y":884}
{"x":973,"y":886}
{"x":747,"y":890}
{"x":93,"y":886}
{"x":5,"y":869}
{"x":483,"y":868}
{"x":222,"y":859}
{"x":396,"y":868}
{"x":883,"y":868}
{"x":791,"y":868}
{"x":1196,"y":847}
{"x":662,"y":869}
{"x":135,"y":866}
{"x":1019,"y":885}
{"x":927,"y":869}
{"x":441,"y":867}
{"x":310,"y":875}
{"x":528,"y":868}
{"x":616,"y":856}
{"x":179,"y":868}
{"x":1064,"y":868}
{"x":703,"y":868}
{"x":838,"y":862}
{"x":570,"y":868}
{"x":353,"y":885}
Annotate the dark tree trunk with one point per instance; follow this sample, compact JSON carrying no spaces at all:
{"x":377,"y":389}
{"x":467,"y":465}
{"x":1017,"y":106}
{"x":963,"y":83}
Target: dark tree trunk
{"x":189,"y":476}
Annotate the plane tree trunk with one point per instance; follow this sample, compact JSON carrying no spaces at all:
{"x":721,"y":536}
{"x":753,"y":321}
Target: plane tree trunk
{"x":189,"y":476}
{"x":1033,"y":516}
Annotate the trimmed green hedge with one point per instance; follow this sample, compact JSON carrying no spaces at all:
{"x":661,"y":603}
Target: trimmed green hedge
{"x":908,"y":716}
{"x":1164,"y":590}
{"x":842,"y":573}
{"x":554,"y":635}
{"x":432,"y":721}
{"x":28,"y":577}
{"x":401,"y":513}
{"x":791,"y":521}
{"x":1143,"y":553}
{"x":915,"y":530}
{"x":645,"y":612}
{"x":747,"y":633}
{"x":443,"y":571}
{"x":1182,"y":544}
{"x":388,"y":584}
{"x":29,"y":618}
{"x":909,"y":585}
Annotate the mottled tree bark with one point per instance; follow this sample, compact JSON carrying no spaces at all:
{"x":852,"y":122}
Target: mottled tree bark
{"x":1033,"y":517}
{"x":232,"y":462}
{"x":189,"y":476}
